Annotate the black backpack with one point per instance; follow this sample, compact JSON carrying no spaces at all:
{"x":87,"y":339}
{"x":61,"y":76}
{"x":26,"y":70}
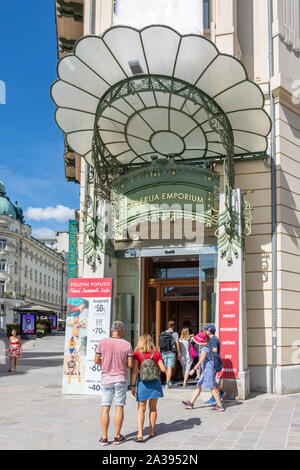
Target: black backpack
{"x":165,"y":341}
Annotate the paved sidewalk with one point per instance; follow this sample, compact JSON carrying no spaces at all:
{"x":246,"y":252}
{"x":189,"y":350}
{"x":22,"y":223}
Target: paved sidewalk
{"x":35,"y":415}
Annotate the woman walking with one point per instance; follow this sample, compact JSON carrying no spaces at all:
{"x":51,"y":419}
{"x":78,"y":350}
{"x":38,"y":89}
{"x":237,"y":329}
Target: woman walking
{"x":207,"y":379}
{"x":185,"y":357}
{"x":14,"y":350}
{"x":145,"y":382}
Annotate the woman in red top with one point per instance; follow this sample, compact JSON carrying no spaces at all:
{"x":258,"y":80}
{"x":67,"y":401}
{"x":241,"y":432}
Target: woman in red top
{"x":14,"y":350}
{"x":145,"y":391}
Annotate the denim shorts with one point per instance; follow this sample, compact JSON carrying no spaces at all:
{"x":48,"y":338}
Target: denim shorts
{"x":168,"y":358}
{"x":115,"y":391}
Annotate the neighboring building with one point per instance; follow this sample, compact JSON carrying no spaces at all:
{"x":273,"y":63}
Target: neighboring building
{"x":60,"y":243}
{"x":144,"y":276}
{"x":29,"y":270}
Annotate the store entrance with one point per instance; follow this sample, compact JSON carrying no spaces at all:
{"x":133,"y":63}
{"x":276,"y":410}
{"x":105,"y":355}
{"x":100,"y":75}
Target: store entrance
{"x":173,"y":291}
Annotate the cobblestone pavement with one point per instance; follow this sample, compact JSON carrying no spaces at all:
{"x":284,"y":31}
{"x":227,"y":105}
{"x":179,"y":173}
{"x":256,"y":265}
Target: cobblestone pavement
{"x":35,"y":415}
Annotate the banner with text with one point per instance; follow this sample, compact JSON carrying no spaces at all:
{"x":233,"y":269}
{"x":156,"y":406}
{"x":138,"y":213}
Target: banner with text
{"x":229,"y":299}
{"x":88,"y":321}
{"x":72,"y":255}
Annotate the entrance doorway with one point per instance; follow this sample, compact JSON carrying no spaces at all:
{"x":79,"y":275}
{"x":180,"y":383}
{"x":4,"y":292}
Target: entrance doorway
{"x":181,"y":289}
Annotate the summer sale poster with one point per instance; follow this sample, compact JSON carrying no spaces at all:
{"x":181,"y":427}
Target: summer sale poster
{"x":88,"y":321}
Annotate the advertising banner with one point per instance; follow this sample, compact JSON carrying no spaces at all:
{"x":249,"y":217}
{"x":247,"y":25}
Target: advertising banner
{"x":88,"y":321}
{"x":28,"y":324}
{"x":229,"y":298}
{"x":72,"y":256}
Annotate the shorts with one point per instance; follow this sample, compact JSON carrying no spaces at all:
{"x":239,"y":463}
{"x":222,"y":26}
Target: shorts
{"x":168,"y":358}
{"x":116,"y":391}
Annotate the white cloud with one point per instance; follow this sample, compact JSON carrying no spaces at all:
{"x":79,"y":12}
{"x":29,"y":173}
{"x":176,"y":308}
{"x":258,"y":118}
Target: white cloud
{"x":43,"y":232}
{"x":58,"y":213}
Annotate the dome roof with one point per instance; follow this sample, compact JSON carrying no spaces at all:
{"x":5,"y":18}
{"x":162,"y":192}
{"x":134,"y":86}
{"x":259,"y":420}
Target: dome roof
{"x":6,"y":207}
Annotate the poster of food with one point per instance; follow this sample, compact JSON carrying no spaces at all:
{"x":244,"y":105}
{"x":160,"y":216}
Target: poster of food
{"x":87,"y":322}
{"x":28,"y":324}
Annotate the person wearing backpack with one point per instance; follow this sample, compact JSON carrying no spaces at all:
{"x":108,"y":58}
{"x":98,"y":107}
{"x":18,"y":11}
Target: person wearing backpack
{"x":207,"y":378}
{"x":215,"y":347}
{"x":186,"y":350}
{"x":145,"y":382}
{"x":169,"y":345}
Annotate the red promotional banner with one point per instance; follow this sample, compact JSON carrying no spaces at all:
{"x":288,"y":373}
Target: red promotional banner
{"x":229,"y":300}
{"x":90,"y":287}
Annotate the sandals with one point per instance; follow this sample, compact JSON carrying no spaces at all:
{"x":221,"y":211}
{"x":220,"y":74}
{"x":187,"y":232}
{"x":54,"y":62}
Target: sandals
{"x":138,"y":439}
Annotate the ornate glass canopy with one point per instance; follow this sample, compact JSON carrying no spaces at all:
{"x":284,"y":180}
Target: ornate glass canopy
{"x":128,"y":95}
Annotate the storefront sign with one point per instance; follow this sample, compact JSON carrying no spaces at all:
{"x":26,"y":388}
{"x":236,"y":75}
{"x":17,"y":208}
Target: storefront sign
{"x":88,"y":321}
{"x":72,"y":259}
{"x":165,"y":190}
{"x":229,"y":297}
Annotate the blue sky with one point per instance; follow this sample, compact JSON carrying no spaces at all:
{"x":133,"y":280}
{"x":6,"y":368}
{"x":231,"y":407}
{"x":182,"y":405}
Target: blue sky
{"x":31,"y":144}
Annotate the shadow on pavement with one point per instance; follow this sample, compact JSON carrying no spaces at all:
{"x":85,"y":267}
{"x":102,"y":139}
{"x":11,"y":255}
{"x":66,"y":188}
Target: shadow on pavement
{"x":165,"y":428}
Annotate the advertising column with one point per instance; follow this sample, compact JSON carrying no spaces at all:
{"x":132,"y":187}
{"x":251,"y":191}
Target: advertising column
{"x":88,"y":321}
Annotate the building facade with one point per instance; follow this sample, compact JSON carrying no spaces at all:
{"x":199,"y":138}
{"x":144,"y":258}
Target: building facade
{"x":30,"y":272}
{"x":146,"y":272}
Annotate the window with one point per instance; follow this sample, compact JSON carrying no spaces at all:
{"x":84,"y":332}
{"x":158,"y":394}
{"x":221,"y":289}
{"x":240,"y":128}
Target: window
{"x":41,"y":278}
{"x":206,"y":14}
{"x":25,"y":289}
{"x":56,"y":284}
{"x":2,"y":288}
{"x":48,"y":281}
{"x":26,"y":253}
{"x":35,"y":293}
{"x":48,"y":297}
{"x":16,"y":268}
{"x":52,"y":283}
{"x":2,"y":265}
{"x":2,"y":244}
{"x":52,"y":298}
{"x":30,"y":274}
{"x":26,"y":271}
{"x":35,"y":275}
{"x":45,"y":280}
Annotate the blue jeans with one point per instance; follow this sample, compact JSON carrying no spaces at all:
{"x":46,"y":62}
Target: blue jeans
{"x":115,"y":391}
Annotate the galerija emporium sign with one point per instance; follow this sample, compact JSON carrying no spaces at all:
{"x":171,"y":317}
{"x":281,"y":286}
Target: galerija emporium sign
{"x":165,"y":190}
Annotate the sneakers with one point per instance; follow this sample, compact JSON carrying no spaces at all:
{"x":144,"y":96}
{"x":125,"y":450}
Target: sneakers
{"x":119,"y":440}
{"x":169,"y":384}
{"x":103,"y":442}
{"x":218,"y":408}
{"x":188,"y":404}
{"x":211,"y":401}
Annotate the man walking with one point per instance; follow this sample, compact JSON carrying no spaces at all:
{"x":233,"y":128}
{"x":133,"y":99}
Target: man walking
{"x":214,"y":346}
{"x":114,"y":355}
{"x":169,"y":346}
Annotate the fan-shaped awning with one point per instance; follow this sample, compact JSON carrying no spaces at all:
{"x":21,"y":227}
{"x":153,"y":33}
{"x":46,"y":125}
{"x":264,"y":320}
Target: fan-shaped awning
{"x":154,"y":92}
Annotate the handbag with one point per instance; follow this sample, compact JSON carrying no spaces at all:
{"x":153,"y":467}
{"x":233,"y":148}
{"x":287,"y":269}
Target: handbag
{"x":193,"y":353}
